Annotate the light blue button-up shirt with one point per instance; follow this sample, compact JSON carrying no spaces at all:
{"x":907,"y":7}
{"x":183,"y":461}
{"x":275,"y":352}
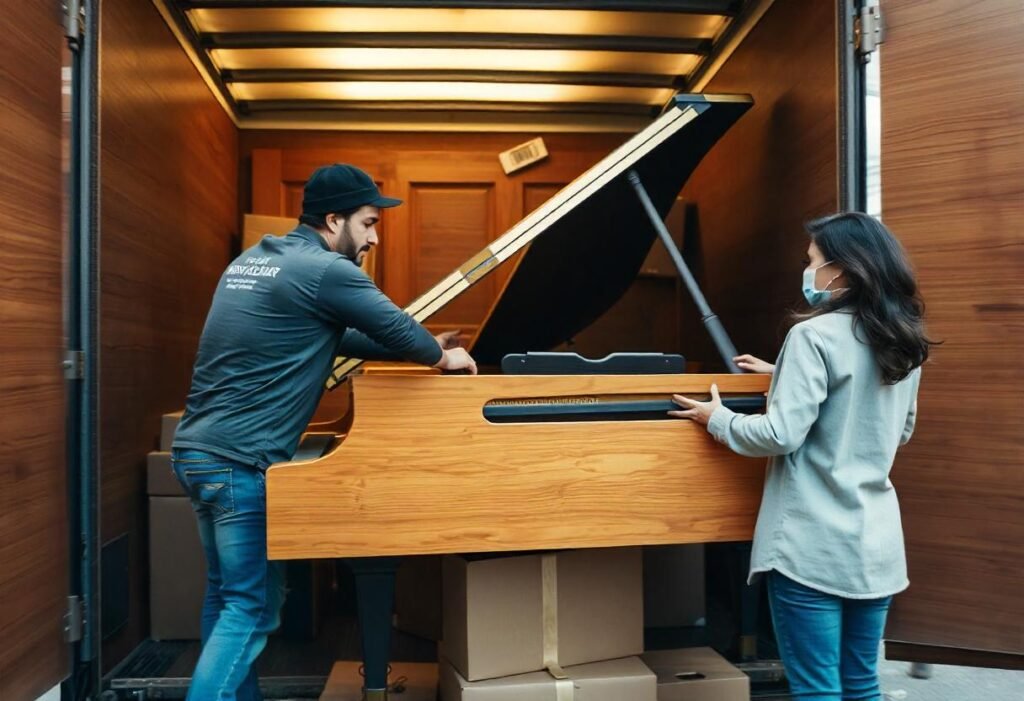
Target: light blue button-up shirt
{"x":829,"y":516}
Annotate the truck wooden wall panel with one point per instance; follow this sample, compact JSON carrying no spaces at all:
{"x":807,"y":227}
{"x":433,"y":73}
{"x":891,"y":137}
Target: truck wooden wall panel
{"x":168,"y":223}
{"x":33,"y":499}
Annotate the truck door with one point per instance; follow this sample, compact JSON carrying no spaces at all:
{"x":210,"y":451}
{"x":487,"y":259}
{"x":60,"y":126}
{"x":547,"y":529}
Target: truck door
{"x":34,"y":521}
{"x":952,"y":188}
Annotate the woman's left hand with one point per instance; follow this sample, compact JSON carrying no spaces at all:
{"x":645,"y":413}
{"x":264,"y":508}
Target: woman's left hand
{"x":698,"y":411}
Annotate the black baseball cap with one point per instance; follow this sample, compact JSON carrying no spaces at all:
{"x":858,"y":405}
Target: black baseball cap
{"x":338,"y":187}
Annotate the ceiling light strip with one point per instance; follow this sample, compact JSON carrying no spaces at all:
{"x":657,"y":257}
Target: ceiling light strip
{"x":622,"y":109}
{"x":553,"y":93}
{"x":454,"y":41}
{"x":425,"y":121}
{"x":456,"y":59}
{"x":327,"y":75}
{"x":703,"y":7}
{"x":432,"y":19}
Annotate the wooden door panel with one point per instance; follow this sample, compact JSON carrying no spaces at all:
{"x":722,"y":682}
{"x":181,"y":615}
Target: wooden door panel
{"x":33,"y":499}
{"x":454,"y":190}
{"x":449,"y":224}
{"x":952,"y":190}
{"x":536,"y":194}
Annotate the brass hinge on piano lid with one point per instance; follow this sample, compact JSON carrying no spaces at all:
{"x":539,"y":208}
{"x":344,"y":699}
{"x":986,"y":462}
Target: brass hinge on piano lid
{"x":478,"y":266}
{"x":868,"y":31}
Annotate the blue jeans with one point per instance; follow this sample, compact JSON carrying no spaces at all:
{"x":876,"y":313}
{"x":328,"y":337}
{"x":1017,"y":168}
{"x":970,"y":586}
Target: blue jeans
{"x":829,"y":644}
{"x":244,"y":592}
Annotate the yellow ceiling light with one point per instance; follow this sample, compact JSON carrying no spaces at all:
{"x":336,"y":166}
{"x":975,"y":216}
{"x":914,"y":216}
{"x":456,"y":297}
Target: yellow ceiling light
{"x":483,"y":21}
{"x":448,"y":91}
{"x":456,"y":59}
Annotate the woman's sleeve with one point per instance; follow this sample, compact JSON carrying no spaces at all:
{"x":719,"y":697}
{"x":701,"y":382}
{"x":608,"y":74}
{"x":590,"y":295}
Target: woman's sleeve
{"x":801,"y":385}
{"x":911,"y":422}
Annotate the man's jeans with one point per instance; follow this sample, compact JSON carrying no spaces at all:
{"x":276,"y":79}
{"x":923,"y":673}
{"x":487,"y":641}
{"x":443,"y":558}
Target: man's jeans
{"x":829,"y":644}
{"x":244,"y":592}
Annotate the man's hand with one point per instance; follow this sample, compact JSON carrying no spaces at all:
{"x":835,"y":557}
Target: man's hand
{"x":457,"y":359}
{"x":698,"y":411}
{"x":749,"y":363}
{"x":448,"y":339}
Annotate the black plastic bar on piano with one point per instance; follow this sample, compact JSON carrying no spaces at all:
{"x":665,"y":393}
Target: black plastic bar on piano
{"x":634,"y":410}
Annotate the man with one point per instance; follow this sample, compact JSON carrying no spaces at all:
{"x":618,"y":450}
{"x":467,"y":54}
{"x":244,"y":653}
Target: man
{"x":281,"y":313}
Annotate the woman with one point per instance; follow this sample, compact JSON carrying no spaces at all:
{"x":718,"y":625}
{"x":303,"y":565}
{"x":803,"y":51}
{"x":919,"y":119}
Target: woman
{"x":842,"y":399}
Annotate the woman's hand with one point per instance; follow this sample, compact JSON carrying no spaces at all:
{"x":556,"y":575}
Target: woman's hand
{"x":749,"y":363}
{"x":697,"y":411}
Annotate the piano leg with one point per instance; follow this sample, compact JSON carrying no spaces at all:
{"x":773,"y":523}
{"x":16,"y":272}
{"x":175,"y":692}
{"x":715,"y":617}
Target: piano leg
{"x":375,"y":595}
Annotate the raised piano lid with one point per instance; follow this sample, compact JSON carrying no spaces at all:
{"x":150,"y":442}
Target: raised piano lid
{"x":588,"y":241}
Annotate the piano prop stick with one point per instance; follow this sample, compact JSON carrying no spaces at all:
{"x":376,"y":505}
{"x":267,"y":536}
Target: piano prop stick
{"x":711,"y":321}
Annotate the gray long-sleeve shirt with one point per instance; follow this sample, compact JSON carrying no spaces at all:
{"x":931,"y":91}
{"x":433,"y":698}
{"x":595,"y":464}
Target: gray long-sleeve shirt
{"x":281,"y":312}
{"x":829,"y":516}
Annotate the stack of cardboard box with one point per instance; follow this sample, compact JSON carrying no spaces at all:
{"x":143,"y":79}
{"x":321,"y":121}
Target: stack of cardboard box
{"x":177,"y":566}
{"x":543,"y":626}
{"x":566,"y":626}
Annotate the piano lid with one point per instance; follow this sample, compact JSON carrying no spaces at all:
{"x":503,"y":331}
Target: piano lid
{"x":588,"y":241}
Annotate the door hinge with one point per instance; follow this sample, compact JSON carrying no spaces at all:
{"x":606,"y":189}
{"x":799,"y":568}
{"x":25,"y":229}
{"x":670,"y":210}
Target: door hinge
{"x":74,"y":21}
{"x":74,"y":619}
{"x":74,"y":365}
{"x":868,"y":31}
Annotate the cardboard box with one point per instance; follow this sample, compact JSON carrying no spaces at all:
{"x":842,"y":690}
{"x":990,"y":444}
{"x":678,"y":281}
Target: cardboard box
{"x":674,"y":586}
{"x":418,"y":596}
{"x":696,"y":674}
{"x":494,"y":610}
{"x":613,"y":680}
{"x":168,"y":425}
{"x":160,"y":479}
{"x":177,"y":570}
{"x":346,"y":684}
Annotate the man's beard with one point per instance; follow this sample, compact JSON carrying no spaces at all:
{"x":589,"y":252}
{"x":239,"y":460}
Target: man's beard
{"x":346,"y":246}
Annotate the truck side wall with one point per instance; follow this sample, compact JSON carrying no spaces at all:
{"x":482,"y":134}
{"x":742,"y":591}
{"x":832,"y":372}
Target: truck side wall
{"x":168,"y":223}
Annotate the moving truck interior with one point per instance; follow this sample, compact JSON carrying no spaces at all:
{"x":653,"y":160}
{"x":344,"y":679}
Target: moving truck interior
{"x":146,"y":142}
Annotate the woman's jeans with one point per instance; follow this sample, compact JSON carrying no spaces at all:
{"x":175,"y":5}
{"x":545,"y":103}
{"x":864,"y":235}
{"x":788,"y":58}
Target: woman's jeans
{"x":244,"y":592}
{"x":829,"y":644}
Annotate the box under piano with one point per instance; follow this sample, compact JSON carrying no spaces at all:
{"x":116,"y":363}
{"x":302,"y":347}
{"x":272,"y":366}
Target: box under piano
{"x":625,"y":679}
{"x":495,"y":610}
{"x":696,"y":674}
{"x":168,"y":425}
{"x":177,"y":569}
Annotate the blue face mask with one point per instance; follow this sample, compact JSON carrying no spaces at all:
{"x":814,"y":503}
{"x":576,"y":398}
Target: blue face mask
{"x":813,"y":295}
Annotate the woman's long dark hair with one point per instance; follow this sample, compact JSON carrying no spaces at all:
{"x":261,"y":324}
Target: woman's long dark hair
{"x":880,"y":289}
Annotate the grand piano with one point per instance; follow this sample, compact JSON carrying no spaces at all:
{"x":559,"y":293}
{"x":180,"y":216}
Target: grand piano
{"x":509,"y":462}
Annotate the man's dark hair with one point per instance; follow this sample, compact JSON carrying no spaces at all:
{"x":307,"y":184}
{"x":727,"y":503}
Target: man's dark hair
{"x":319,"y":221}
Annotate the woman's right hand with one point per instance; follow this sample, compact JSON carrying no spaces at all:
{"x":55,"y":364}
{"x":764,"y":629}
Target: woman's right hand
{"x":749,"y":363}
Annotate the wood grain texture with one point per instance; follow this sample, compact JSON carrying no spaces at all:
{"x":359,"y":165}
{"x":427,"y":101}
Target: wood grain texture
{"x":449,"y":224}
{"x":952,"y":190}
{"x":414,"y":250}
{"x":423,"y":472}
{"x":256,"y":226}
{"x":169,"y":219}
{"x":33,"y":501}
{"x":775,"y":169}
